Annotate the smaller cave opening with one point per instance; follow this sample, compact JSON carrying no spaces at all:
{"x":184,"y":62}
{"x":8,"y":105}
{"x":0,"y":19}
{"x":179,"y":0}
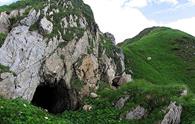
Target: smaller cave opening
{"x":55,"y":98}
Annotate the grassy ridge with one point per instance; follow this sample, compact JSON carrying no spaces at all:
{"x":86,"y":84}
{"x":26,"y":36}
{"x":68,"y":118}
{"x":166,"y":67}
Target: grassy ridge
{"x":171,"y":62}
{"x":168,"y":64}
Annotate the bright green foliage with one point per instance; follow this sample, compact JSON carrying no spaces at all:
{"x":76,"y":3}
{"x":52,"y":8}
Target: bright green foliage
{"x":22,"y":4}
{"x":21,"y":112}
{"x":2,"y":38}
{"x":4,"y":69}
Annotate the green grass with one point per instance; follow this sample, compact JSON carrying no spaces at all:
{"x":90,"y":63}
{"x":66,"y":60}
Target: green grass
{"x":2,"y":38}
{"x":4,"y":69}
{"x":21,"y":112}
{"x":22,"y":4}
{"x":169,"y":65}
{"x":172,"y":62}
{"x":152,"y":97}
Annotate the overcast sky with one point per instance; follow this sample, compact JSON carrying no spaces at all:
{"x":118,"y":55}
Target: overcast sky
{"x":126,"y":18}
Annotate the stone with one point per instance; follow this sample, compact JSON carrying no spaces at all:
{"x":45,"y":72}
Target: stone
{"x":45,"y":10}
{"x":53,"y":69}
{"x":22,"y":52}
{"x":173,"y":115}
{"x":4,"y":22}
{"x":46,"y":25}
{"x":88,"y":70}
{"x":87,"y":107}
{"x":136,"y":114}
{"x":121,"y":102}
{"x":110,"y":36}
{"x":149,"y":58}
{"x":13,"y":14}
{"x":32,"y":17}
{"x":93,"y":95}
{"x":184,"y":92}
{"x":125,"y":78}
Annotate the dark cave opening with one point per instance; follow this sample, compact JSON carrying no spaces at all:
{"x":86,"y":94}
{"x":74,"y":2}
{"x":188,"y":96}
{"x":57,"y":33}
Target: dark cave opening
{"x":55,"y":98}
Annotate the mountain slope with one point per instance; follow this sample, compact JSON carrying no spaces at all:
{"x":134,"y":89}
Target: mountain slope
{"x":164,"y":57}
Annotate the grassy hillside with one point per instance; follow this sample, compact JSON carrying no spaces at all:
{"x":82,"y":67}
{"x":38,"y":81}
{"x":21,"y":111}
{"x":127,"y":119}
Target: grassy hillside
{"x":172,"y":55}
{"x":164,"y":57}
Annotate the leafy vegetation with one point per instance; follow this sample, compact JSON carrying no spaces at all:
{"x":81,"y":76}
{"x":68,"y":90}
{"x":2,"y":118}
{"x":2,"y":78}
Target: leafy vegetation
{"x":2,"y":38}
{"x":22,"y":4}
{"x":4,"y":69}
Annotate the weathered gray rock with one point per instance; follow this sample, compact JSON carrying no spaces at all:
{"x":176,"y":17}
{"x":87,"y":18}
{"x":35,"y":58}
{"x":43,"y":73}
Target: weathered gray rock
{"x":32,"y":17}
{"x":121,"y":102}
{"x":173,"y":115}
{"x":46,"y":25}
{"x":23,"y":52}
{"x":7,"y":85}
{"x":87,"y":107}
{"x":53,"y":69}
{"x":14,"y":14}
{"x":125,"y":78}
{"x":137,"y":113}
{"x":184,"y":92}
{"x":110,"y":36}
{"x":4,"y":22}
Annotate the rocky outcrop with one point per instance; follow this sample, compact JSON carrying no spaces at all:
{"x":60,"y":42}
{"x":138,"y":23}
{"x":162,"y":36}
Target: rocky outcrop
{"x":4,"y":22}
{"x":46,"y":26}
{"x":110,"y":36}
{"x":137,"y":113}
{"x":173,"y":115}
{"x":63,"y":52}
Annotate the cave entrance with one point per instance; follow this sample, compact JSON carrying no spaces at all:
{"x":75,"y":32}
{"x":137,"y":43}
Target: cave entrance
{"x":55,"y":98}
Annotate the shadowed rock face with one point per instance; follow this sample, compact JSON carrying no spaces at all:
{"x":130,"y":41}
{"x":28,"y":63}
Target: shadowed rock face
{"x":50,"y":53}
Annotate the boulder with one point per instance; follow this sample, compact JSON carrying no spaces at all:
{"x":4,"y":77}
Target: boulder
{"x":173,"y":115}
{"x":93,"y":95}
{"x":136,"y":114}
{"x":110,"y":36}
{"x":121,"y":102}
{"x":46,"y":25}
{"x":4,"y":22}
{"x":125,"y":78}
{"x":87,"y":107}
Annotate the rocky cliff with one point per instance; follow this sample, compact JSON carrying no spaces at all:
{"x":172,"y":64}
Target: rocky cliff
{"x":54,"y":51}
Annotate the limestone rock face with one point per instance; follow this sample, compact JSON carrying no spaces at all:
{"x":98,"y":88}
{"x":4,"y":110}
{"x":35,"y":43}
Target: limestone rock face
{"x":110,"y":36}
{"x":173,"y":115}
{"x":4,"y":22}
{"x":46,"y":26}
{"x":68,"y":57}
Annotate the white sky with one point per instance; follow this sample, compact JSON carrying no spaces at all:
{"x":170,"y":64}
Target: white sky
{"x":124,"y":19}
